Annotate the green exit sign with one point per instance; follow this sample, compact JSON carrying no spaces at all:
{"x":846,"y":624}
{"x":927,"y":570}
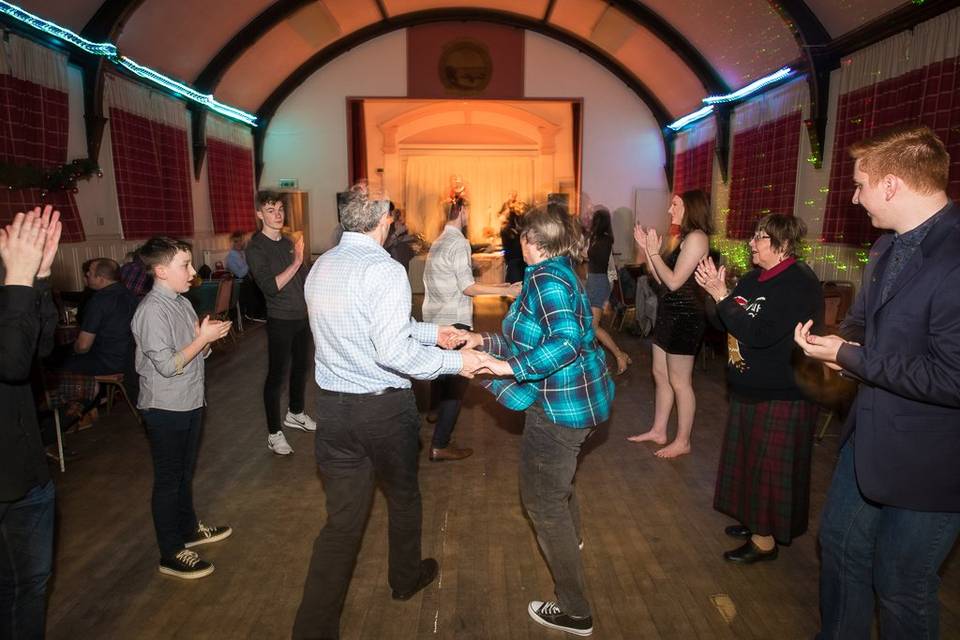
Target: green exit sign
{"x":288,"y":183}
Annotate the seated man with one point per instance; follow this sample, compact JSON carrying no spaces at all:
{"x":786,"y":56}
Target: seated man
{"x":105,"y":343}
{"x":251,"y":298}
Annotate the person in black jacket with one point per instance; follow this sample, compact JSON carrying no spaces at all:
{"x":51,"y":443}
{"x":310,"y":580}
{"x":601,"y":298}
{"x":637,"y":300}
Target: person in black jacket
{"x":27,"y":317}
{"x":893,"y":508}
{"x":763,"y":480}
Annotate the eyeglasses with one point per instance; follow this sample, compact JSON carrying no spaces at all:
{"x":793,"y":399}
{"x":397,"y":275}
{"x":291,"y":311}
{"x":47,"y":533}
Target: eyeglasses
{"x":757,"y":237}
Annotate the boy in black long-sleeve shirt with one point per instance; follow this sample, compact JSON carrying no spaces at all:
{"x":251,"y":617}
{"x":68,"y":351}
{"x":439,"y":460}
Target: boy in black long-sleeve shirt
{"x":276,"y":264}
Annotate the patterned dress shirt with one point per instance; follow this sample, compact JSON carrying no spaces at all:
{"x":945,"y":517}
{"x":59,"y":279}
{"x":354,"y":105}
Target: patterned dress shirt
{"x":358,"y":302}
{"x":548,"y":340}
{"x":447,"y":273}
{"x":163,"y":325}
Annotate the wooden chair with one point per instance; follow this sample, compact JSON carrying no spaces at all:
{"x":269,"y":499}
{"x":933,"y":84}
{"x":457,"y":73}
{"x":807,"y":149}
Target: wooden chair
{"x":112,"y":384}
{"x":837,"y":299}
{"x":56,"y":425}
{"x":224,"y":300}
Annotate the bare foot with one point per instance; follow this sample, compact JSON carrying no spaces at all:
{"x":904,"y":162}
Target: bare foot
{"x":673,"y":450}
{"x":650,"y":436}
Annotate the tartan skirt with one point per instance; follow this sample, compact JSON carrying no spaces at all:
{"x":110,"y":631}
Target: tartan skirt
{"x":764,"y":475}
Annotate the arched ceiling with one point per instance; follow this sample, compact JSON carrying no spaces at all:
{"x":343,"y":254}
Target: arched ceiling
{"x":673,"y":53}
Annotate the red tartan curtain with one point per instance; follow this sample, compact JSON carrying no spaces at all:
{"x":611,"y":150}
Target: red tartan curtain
{"x":33,"y":132}
{"x":693,"y":168}
{"x":931,"y":96}
{"x":763,"y":173}
{"x":153,"y":176}
{"x":230,"y":172}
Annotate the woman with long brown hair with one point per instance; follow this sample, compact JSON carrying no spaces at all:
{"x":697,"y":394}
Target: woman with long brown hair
{"x":680,"y":318}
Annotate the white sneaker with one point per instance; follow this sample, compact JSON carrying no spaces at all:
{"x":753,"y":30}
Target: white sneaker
{"x":277,"y":443}
{"x":299,"y":421}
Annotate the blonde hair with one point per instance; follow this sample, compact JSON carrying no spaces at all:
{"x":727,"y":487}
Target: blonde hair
{"x":912,"y":153}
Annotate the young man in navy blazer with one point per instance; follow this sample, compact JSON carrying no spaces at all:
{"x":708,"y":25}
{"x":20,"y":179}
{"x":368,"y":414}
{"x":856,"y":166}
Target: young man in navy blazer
{"x":893,"y":509}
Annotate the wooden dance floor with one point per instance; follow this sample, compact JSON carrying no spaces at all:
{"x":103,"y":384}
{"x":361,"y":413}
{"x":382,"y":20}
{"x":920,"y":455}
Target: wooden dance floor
{"x":652,"y":551}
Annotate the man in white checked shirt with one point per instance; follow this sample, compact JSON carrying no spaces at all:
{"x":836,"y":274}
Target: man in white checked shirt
{"x":449,"y":288}
{"x":367,"y":349}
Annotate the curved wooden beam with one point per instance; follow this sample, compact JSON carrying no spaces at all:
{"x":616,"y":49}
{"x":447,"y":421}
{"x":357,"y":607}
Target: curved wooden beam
{"x":709,"y":77}
{"x":208,"y":79}
{"x":813,"y":40}
{"x":108,"y":21}
{"x":365,"y":34}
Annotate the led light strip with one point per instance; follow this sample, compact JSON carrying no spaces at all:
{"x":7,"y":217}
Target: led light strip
{"x":109,"y":50}
{"x":690,"y":118}
{"x":751,"y":88}
{"x":736,"y":96}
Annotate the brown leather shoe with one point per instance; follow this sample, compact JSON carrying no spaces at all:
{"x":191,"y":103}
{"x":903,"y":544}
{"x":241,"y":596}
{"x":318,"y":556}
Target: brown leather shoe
{"x":449,"y":453}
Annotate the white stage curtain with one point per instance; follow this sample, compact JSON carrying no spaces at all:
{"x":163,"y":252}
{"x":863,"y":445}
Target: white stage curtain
{"x":489,"y":180}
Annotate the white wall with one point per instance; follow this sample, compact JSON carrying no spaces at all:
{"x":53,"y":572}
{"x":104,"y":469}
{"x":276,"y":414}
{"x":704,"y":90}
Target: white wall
{"x":307,"y":138}
{"x":622,"y":145}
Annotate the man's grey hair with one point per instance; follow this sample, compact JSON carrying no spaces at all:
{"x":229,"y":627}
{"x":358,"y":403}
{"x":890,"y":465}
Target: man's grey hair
{"x":361,"y":214}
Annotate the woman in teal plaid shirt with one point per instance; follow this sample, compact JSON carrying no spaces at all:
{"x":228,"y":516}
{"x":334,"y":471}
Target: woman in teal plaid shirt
{"x":553,"y":369}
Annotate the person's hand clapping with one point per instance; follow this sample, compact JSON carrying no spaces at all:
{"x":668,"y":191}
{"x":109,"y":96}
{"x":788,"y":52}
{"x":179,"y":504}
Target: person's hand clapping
{"x":213,"y":330}
{"x":513,"y":290}
{"x":298,"y":251}
{"x":713,"y":280}
{"x":51,"y":227}
{"x":823,"y":348}
{"x":22,"y":248}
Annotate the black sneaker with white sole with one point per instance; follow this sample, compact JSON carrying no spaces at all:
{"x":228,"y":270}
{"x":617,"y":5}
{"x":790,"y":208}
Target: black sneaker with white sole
{"x":550,"y":615}
{"x":187,"y":565}
{"x":205,"y":535}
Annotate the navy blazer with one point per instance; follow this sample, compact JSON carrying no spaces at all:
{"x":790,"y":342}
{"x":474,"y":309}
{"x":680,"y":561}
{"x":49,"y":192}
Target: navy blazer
{"x":906,"y":415}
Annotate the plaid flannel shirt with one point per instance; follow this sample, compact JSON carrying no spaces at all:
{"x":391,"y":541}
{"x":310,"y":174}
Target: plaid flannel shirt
{"x":548,"y":340}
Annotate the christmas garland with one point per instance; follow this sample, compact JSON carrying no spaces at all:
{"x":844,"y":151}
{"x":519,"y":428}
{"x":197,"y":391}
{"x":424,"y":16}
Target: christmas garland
{"x":62,"y":178}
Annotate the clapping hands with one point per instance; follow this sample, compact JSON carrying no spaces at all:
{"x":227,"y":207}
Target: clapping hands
{"x":29,"y":244}
{"x":712,"y":279}
{"x":648,"y":239}
{"x":823,"y":348}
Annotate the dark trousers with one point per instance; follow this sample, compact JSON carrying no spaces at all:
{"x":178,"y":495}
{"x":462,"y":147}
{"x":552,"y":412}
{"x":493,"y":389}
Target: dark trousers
{"x":289,"y":346}
{"x":868,"y":549}
{"x":251,"y":299}
{"x":26,"y":560}
{"x":449,"y":392}
{"x":174,"y":442}
{"x":548,"y":462}
{"x":362,"y":441}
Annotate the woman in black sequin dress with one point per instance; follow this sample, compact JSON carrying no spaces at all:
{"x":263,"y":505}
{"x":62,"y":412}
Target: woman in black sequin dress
{"x":680,"y":318}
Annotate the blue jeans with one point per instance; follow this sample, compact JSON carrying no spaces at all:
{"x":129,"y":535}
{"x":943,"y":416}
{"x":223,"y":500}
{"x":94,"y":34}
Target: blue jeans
{"x":174,"y":442}
{"x":867,"y":547}
{"x":26,"y":560}
{"x":548,"y":463}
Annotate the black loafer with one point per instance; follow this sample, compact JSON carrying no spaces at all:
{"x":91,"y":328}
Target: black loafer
{"x":428,"y":572}
{"x":750,"y":553}
{"x":738,"y":531}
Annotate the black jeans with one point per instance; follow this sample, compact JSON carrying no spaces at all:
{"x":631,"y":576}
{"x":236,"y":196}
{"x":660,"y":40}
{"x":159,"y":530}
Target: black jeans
{"x":548,"y":462}
{"x":26,"y":561}
{"x":174,"y":442}
{"x":289,"y":345}
{"x":360,"y":441}
{"x":449,"y":392}
{"x":251,"y":299}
